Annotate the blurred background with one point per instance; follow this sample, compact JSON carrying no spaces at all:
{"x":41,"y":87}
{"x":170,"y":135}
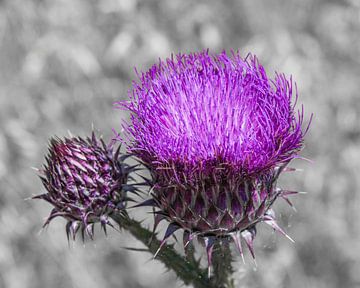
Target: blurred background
{"x":63,"y":64}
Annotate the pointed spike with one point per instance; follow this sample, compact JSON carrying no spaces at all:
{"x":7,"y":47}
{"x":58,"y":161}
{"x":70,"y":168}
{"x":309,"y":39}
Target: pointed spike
{"x":186,"y":240}
{"x":104,"y":145}
{"x":113,"y":227}
{"x":68,"y":230}
{"x":276,"y":227}
{"x":122,"y":158}
{"x":150,"y":202}
{"x":129,"y":188}
{"x":138,"y":183}
{"x":74,"y":228}
{"x":53,"y":214}
{"x":93,"y":137}
{"x":133,"y":168}
{"x":261,"y":208}
{"x":83,"y":233}
{"x":172,"y":228}
{"x":249,"y":236}
{"x":103,"y":226}
{"x":117,"y":152}
{"x":169,"y":231}
{"x":125,"y":199}
{"x":135,"y":249}
{"x":237,"y":240}
{"x":157,"y":219}
{"x":90,"y":231}
{"x":291,"y":169}
{"x":209,"y":244}
{"x":305,"y":159}
{"x":41,"y":196}
{"x":162,"y":243}
{"x":146,"y":180}
{"x":289,"y":202}
{"x":289,"y":192}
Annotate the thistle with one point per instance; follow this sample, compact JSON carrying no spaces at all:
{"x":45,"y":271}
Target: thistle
{"x":215,"y":133}
{"x":86,"y":182}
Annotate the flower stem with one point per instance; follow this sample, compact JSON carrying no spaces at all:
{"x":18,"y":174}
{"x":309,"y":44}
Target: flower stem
{"x":222,"y":265}
{"x":187,"y":270}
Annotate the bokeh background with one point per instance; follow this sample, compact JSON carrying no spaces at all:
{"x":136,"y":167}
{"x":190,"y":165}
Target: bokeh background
{"x":63,"y":64}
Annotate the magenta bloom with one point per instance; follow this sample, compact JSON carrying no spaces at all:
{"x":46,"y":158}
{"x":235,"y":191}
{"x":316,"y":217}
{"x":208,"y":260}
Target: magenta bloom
{"x":85,"y":181}
{"x":215,"y":132}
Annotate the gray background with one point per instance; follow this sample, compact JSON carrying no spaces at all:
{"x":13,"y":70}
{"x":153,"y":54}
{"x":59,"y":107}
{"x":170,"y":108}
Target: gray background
{"x":64,"y":62}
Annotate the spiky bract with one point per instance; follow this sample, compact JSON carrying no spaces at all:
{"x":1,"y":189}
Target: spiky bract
{"x":215,"y":132}
{"x":86,"y":181}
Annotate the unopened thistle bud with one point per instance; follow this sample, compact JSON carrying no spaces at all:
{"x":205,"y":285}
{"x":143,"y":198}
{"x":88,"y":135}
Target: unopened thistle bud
{"x":216,"y":133}
{"x":86,"y":181}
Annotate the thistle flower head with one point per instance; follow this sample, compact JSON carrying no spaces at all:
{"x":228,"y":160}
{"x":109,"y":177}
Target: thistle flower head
{"x":85,"y":182}
{"x":198,"y":109}
{"x":215,"y":132}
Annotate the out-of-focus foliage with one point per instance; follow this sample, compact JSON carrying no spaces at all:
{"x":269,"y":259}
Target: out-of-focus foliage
{"x":64,"y":62}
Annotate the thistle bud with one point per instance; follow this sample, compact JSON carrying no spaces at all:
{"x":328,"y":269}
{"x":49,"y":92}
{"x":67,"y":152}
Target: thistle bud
{"x":85,"y":181}
{"x":216,"y":133}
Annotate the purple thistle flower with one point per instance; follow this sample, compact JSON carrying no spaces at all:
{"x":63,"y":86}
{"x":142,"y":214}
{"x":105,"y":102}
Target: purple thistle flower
{"x":215,"y":132}
{"x":85,"y":181}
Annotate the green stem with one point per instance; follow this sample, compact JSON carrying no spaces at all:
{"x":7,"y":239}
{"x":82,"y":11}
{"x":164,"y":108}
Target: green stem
{"x":187,"y":270}
{"x":222,"y":265}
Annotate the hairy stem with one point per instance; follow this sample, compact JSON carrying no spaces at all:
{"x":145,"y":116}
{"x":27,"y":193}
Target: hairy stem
{"x":187,"y":270}
{"x":222,"y":265}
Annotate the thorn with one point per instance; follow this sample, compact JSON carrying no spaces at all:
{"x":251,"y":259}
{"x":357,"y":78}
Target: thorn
{"x":157,"y":219}
{"x":113,"y":227}
{"x":93,"y":136}
{"x":117,"y":152}
{"x":135,"y":249}
{"x":169,"y":231}
{"x":306,"y":159}
{"x":83,"y":233}
{"x":261,"y":208}
{"x":146,"y":180}
{"x":237,"y":240}
{"x":209,"y":244}
{"x":90,"y":231}
{"x":122,"y":157}
{"x":150,"y":202}
{"x":103,"y":226}
{"x":249,"y":236}
{"x":290,"y":169}
{"x":289,"y":192}
{"x":158,"y":250}
{"x":74,"y":228}
{"x":186,"y":241}
{"x":68,"y":231}
{"x":276,"y":227}
{"x":188,"y":237}
{"x":289,"y":202}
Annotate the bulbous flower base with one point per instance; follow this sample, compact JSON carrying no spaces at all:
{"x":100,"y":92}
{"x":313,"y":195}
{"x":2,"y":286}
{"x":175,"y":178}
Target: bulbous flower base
{"x":221,"y":206}
{"x":86,"y":181}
